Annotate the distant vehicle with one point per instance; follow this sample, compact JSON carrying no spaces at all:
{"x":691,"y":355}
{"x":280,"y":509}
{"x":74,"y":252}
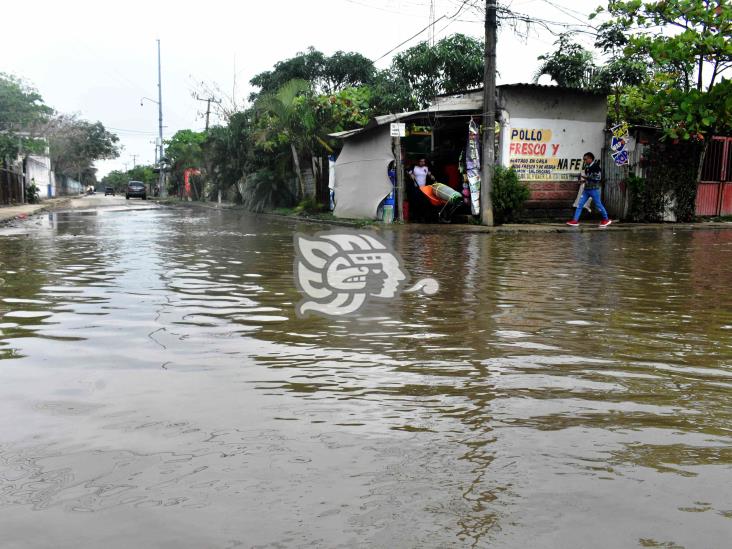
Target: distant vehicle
{"x":90,"y":189}
{"x":108,"y":190}
{"x":136,"y":189}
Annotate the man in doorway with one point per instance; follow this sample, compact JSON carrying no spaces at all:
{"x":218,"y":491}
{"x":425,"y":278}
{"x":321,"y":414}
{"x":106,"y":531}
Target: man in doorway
{"x":420,"y":173}
{"x":591,"y":176}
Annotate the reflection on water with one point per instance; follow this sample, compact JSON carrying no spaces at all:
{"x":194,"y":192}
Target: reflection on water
{"x":561,"y":390}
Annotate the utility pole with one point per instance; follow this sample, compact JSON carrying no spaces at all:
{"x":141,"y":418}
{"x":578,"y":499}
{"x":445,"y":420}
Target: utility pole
{"x":208,"y":101}
{"x":489,"y":114}
{"x":160,"y":127}
{"x":134,"y":160}
{"x":400,"y":178}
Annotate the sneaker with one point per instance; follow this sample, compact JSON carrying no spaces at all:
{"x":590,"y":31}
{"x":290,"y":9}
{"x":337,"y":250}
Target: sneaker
{"x":605,"y":222}
{"x":573,"y":223}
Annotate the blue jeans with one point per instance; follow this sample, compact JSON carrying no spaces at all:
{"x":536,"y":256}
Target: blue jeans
{"x":594,"y":194}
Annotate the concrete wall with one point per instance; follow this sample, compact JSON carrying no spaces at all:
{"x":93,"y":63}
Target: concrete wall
{"x":545,"y":131}
{"x":66,"y":186}
{"x":38,"y":168}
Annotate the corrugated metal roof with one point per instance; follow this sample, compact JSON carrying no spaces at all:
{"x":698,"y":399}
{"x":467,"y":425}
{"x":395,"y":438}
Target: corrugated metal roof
{"x":528,"y":85}
{"x":456,"y":104}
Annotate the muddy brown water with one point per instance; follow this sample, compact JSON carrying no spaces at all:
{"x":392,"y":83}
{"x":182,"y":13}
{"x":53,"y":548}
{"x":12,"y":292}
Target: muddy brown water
{"x":561,"y":390}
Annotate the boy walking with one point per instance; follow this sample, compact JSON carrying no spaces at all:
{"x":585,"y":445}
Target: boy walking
{"x":591,"y":176}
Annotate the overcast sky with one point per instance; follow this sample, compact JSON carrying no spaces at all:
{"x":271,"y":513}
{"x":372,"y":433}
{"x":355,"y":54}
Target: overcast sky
{"x":98,"y":59}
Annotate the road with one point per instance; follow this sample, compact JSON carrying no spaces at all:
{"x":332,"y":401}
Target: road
{"x":560,"y":390}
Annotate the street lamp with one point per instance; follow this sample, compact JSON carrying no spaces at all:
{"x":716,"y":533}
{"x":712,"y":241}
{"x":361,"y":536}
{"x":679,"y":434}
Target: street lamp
{"x":159,"y":103}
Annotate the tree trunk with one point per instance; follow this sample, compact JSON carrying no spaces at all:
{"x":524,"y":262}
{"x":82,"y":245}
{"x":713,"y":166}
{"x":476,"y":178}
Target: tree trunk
{"x":296,"y":161}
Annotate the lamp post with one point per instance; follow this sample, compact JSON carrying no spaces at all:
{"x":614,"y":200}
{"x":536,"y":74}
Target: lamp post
{"x":159,"y":103}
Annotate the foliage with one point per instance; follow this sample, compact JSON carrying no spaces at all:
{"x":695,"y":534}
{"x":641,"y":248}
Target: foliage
{"x":118,"y":179}
{"x":621,"y":72}
{"x":453,"y":64}
{"x":144,"y":174}
{"x":392,"y":93}
{"x":288,"y":118}
{"x":570,"y":65}
{"x":309,"y":205}
{"x":508,"y":194}
{"x":688,"y":43}
{"x":22,"y":111}
{"x":327,"y":75}
{"x":76,"y":144}
{"x":184,"y":150}
{"x":266,"y":189}
{"x":672,"y":170}
{"x":32,"y":194}
{"x":350,"y":108}
{"x":646,"y":203}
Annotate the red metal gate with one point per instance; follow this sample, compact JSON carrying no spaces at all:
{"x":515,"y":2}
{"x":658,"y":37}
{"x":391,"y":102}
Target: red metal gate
{"x":714,"y":191}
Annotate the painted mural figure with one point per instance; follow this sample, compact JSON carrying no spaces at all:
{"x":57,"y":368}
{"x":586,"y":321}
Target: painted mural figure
{"x":591,"y":176}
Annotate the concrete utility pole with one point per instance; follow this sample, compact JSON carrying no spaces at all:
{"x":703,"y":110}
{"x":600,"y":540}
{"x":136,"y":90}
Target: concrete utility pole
{"x":134,"y":160}
{"x":489,"y":114}
{"x":208,"y":101}
{"x":160,"y":126}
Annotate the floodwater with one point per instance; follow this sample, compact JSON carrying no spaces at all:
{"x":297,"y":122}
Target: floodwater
{"x":561,"y":390}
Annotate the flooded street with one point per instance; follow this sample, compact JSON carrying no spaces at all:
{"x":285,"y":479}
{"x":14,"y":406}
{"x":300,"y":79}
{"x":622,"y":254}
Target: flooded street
{"x":561,"y":390}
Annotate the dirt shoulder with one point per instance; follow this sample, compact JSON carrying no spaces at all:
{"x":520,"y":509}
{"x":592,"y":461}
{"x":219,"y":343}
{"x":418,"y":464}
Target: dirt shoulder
{"x":9,"y":213}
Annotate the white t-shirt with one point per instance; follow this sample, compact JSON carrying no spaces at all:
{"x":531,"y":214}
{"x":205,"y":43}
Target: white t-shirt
{"x":420,"y":174}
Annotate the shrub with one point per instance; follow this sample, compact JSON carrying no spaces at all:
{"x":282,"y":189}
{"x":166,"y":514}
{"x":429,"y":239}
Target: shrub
{"x":508,"y":195}
{"x":309,"y":205}
{"x":671,"y":180}
{"x":32,"y":194}
{"x":265,"y":190}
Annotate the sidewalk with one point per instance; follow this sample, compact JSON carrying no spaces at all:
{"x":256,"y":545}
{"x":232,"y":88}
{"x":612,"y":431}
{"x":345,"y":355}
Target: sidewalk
{"x":587,"y":227}
{"x":556,"y":227}
{"x":8,"y":213}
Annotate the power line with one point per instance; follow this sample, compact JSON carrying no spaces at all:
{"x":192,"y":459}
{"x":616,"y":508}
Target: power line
{"x":582,"y":22}
{"x":131,"y":131}
{"x":431,"y":24}
{"x":208,"y":101}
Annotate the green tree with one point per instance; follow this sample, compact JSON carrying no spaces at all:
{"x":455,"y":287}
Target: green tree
{"x":347,"y":109}
{"x":620,"y":71}
{"x":117,"y":179}
{"x":569,"y":65}
{"x":453,"y":64}
{"x":185,"y":150}
{"x":392,"y":93}
{"x":326,"y":75}
{"x":76,"y":144}
{"x":287,"y":118}
{"x":144,"y":174}
{"x":688,"y":44}
{"x":22,"y":114}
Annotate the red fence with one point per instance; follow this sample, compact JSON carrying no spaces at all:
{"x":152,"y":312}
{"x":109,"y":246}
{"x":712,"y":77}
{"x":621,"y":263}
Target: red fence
{"x":714,"y":192}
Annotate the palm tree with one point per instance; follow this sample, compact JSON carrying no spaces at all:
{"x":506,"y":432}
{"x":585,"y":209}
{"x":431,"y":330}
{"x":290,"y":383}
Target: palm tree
{"x":288,"y":119}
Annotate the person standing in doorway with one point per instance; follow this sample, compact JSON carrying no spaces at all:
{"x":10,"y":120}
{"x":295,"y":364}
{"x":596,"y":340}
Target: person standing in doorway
{"x":420,"y":173}
{"x":591,"y":176}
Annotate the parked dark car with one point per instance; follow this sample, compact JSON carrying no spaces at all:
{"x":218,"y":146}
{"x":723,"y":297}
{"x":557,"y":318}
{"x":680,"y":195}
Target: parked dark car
{"x":108,"y":190}
{"x":136,"y":189}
